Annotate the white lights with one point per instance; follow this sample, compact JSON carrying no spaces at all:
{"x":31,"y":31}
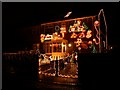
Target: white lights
{"x":69,"y":45}
{"x":48,"y":37}
{"x":68,"y":14}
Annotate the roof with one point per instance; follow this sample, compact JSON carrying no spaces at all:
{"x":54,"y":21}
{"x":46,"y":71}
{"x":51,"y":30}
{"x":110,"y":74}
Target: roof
{"x":68,"y":20}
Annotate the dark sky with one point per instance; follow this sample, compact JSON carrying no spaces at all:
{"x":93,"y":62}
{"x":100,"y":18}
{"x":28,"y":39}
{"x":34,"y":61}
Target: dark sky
{"x":16,"y":16}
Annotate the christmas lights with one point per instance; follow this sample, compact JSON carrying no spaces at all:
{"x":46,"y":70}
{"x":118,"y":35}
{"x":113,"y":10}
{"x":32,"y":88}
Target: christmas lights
{"x":42,"y":36}
{"x":74,"y":35}
{"x":89,"y":34}
{"x":48,"y":37}
{"x":78,"y":42}
{"x":63,"y":31}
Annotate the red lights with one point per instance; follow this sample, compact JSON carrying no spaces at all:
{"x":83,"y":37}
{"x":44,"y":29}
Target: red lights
{"x":97,"y":23}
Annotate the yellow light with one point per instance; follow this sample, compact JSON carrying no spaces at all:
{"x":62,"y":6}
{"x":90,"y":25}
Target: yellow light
{"x":94,"y":39}
{"x":69,"y":45}
{"x":78,"y":22}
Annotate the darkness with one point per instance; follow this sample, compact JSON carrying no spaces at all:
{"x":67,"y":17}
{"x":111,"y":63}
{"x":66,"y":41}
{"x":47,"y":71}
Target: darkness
{"x":17,"y":16}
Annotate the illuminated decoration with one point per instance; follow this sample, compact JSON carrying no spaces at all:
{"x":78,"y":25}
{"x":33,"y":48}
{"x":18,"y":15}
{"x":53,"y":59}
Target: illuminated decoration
{"x":77,"y":27}
{"x":82,"y":34}
{"x":96,"y":23}
{"x":74,"y":35}
{"x":78,"y":31}
{"x":73,"y":29}
{"x":78,"y":22}
{"x":95,"y":41}
{"x":57,"y":28}
{"x":76,"y":57}
{"x":75,"y":24}
{"x":89,"y":34}
{"x":48,"y":37}
{"x":42,"y":37}
{"x":69,"y":30}
{"x":63,"y":31}
{"x":85,"y":26}
{"x":56,"y":36}
{"x":69,"y":45}
{"x":94,"y":48}
{"x":59,"y":36}
{"x":90,"y":42}
{"x":50,"y":45}
{"x":81,"y":28}
{"x":96,"y":35}
{"x":78,"y":42}
{"x":68,"y":14}
{"x":79,"y":48}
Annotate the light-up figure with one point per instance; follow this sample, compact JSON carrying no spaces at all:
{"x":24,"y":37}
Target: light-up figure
{"x":48,"y":37}
{"x":82,"y":34}
{"x":78,"y":42}
{"x":63,"y":31}
{"x":42,"y":37}
{"x":74,"y":35}
{"x":89,"y":34}
{"x":55,"y":35}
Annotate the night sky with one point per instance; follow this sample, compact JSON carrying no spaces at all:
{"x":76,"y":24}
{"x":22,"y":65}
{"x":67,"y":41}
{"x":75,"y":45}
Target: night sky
{"x":16,"y":16}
